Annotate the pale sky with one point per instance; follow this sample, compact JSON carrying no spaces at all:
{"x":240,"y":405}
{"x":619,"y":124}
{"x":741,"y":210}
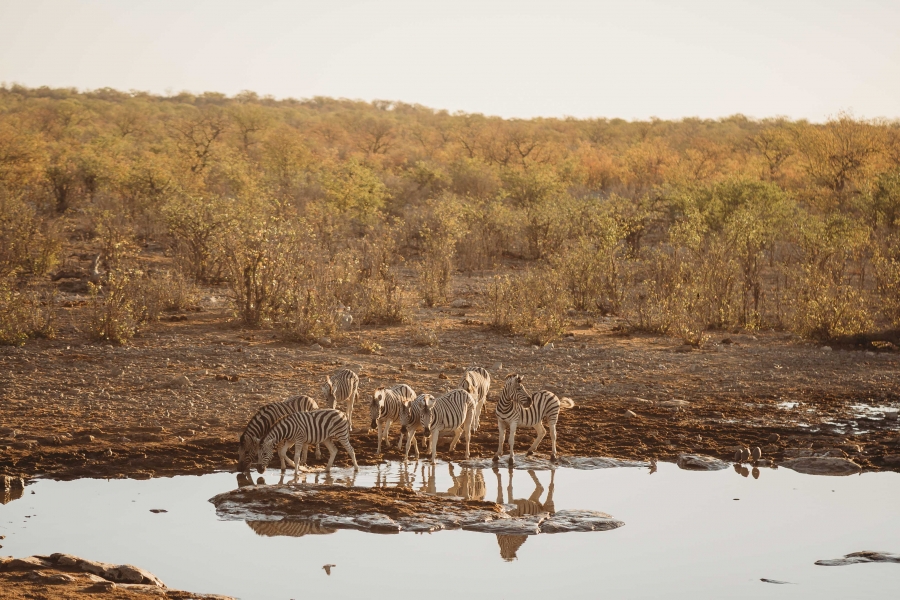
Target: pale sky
{"x":631,"y":59}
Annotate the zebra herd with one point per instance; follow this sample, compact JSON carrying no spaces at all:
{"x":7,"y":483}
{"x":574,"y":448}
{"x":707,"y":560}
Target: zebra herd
{"x":299,"y":422}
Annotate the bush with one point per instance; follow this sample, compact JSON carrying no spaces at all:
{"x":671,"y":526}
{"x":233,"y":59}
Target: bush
{"x":534,"y":305}
{"x":115,"y":309}
{"x":24,"y":314}
{"x":27,"y":245}
{"x":887,"y":278}
{"x":440,"y":235}
{"x":197,"y":226}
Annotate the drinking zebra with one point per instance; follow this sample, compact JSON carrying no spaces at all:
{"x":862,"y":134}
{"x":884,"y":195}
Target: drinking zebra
{"x":510,"y":544}
{"x":454,"y":411}
{"x":287,"y":527}
{"x":341,"y":388}
{"x":385,"y":409}
{"x":262,"y":422}
{"x":516,"y":407}
{"x":318,"y":426}
{"x":476,"y":381}
{"x":411,"y":422}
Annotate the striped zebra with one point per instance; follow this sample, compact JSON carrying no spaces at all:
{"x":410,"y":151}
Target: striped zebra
{"x":476,"y":381}
{"x":262,"y":422}
{"x":454,"y":411}
{"x":289,"y":528}
{"x":301,"y":429}
{"x":510,"y":544}
{"x":516,"y":407}
{"x":385,"y":409}
{"x":341,"y":389}
{"x":411,"y":422}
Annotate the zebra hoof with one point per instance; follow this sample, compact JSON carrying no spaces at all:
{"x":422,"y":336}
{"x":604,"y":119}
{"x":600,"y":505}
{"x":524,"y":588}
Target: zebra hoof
{"x":529,"y":453}
{"x":496,"y":459}
{"x":511,"y":461}
{"x":554,"y":458}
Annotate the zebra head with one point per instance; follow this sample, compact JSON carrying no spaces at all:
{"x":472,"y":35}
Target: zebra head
{"x":376,"y":406}
{"x":514,"y":389}
{"x":264,"y":455}
{"x":328,"y":393}
{"x":406,"y":411}
{"x":427,"y":414}
{"x":467,"y":383}
{"x":245,"y":449}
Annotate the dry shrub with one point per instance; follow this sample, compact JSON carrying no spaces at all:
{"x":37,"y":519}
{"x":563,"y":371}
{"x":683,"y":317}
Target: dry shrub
{"x":157,"y":293}
{"x":24,"y":314}
{"x":439,"y":237}
{"x":27,"y":243}
{"x":423,"y":335}
{"x":197,"y":226}
{"x":115,"y":310}
{"x":534,"y":305}
{"x":309,"y":309}
{"x":887,"y":277}
{"x":116,"y":236}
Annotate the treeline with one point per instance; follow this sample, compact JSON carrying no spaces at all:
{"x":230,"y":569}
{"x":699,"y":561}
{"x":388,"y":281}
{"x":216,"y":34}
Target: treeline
{"x":303,"y":205}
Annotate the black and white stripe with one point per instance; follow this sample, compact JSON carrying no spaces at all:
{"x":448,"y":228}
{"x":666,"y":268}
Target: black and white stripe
{"x":262,"y":422}
{"x":340,"y":390}
{"x":385,"y":409}
{"x":411,"y":422}
{"x":289,"y":528}
{"x":510,"y":544}
{"x":476,"y":381}
{"x":517,"y":408}
{"x":453,"y":411}
{"x":318,"y":426}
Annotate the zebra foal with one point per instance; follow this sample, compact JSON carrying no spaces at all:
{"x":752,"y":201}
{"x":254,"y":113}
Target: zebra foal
{"x":411,"y":422}
{"x":262,"y":422}
{"x":516,"y":407}
{"x":385,"y":409}
{"x":454,"y":411}
{"x":341,"y":388}
{"x":476,"y":381}
{"x":300,"y":429}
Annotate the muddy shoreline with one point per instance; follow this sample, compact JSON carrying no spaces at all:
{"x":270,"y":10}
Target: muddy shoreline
{"x":175,"y":402}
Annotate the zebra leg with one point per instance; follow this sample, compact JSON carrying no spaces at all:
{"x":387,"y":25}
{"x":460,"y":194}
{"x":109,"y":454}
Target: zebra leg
{"x":379,"y":427}
{"x":456,"y":435}
{"x":345,"y":442}
{"x":282,"y":454}
{"x":415,"y":444}
{"x":318,"y":452}
{"x":400,"y":440}
{"x":290,"y":463}
{"x":512,"y":443}
{"x":350,"y":402}
{"x":299,"y":456}
{"x":409,"y":440}
{"x":541,"y":432}
{"x":553,"y":457}
{"x":501,"y":426}
{"x":332,"y":452}
{"x":499,"y":486}
{"x":470,"y":415}
{"x":435,"y":434}
{"x":387,"y":431}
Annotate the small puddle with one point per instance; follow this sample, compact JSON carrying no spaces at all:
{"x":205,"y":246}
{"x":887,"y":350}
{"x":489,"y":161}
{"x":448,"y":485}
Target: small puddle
{"x":687,"y":534}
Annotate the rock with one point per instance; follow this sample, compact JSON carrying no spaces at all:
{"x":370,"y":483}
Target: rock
{"x":535,"y":463}
{"x":808,"y":452}
{"x":764,"y":580}
{"x":737,"y":456}
{"x":891,"y":415}
{"x":497,"y":367}
{"x":826,"y":348}
{"x":727,"y":341}
{"x":65,"y":560}
{"x":630,"y":414}
{"x":180,"y":382}
{"x":460,"y":303}
{"x":51,"y":578}
{"x":855,"y":558}
{"x":892,"y":460}
{"x":324,"y":341}
{"x":697,"y":462}
{"x":120,"y":573}
{"x":103,"y":586}
{"x":29,"y":563}
{"x":316,"y":347}
{"x":774,"y":437}
{"x":548,"y":346}
{"x":745,"y":454}
{"x":755,"y":453}
{"x":578,"y":520}
{"x":443,"y":376}
{"x":674,"y":403}
{"x":822,"y":465}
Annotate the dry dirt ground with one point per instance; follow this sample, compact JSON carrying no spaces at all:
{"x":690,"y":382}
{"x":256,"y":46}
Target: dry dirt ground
{"x":72,"y":408}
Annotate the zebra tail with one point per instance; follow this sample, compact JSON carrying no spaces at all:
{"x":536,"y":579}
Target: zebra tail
{"x":566,"y":403}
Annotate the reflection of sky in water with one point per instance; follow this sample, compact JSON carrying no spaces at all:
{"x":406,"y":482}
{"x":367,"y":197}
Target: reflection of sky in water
{"x":685,"y":536}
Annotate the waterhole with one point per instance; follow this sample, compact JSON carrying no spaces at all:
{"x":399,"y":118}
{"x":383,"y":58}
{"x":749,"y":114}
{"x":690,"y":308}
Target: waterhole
{"x":687,"y":534}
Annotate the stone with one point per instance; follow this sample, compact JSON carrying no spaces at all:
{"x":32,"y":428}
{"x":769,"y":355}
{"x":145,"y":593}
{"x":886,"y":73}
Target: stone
{"x":119,"y":573}
{"x":316,"y":347}
{"x":564,"y":521}
{"x":180,"y":382}
{"x":674,"y":403}
{"x":774,"y":437}
{"x":745,"y":454}
{"x":29,"y":563}
{"x":892,"y":460}
{"x":755,"y":453}
{"x":891,"y":415}
{"x":630,"y":414}
{"x":460,"y":303}
{"x":855,"y":558}
{"x":826,"y":348}
{"x":822,"y":465}
{"x":497,"y":367}
{"x":698,"y":462}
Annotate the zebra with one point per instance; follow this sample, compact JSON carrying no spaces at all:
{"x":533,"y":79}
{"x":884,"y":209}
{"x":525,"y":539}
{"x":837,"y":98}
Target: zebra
{"x":411,"y":422}
{"x":385,"y":409}
{"x":300,"y":429}
{"x":510,"y":544}
{"x":262,"y":422}
{"x":517,"y":407}
{"x":454,"y":411}
{"x":340,"y":388}
{"x":476,"y":381}
{"x":289,"y":527}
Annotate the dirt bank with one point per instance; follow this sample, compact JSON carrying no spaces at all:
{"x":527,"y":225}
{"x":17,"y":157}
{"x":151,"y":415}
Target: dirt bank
{"x":72,"y":409}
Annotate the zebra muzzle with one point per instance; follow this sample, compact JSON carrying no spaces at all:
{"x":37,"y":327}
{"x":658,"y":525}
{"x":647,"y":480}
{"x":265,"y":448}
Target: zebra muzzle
{"x":374,"y":425}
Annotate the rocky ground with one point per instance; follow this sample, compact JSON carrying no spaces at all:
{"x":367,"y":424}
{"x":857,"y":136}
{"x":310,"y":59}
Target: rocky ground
{"x":176,"y":399}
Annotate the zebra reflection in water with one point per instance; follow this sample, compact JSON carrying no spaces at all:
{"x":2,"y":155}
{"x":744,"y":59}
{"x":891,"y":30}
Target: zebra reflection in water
{"x":469,"y":484}
{"x":510,"y":544}
{"x":289,"y":528}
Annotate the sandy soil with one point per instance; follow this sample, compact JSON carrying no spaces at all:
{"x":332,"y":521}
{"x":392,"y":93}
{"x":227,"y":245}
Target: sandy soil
{"x":75,"y":409}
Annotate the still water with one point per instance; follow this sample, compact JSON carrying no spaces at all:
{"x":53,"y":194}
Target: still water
{"x":686,"y":535}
